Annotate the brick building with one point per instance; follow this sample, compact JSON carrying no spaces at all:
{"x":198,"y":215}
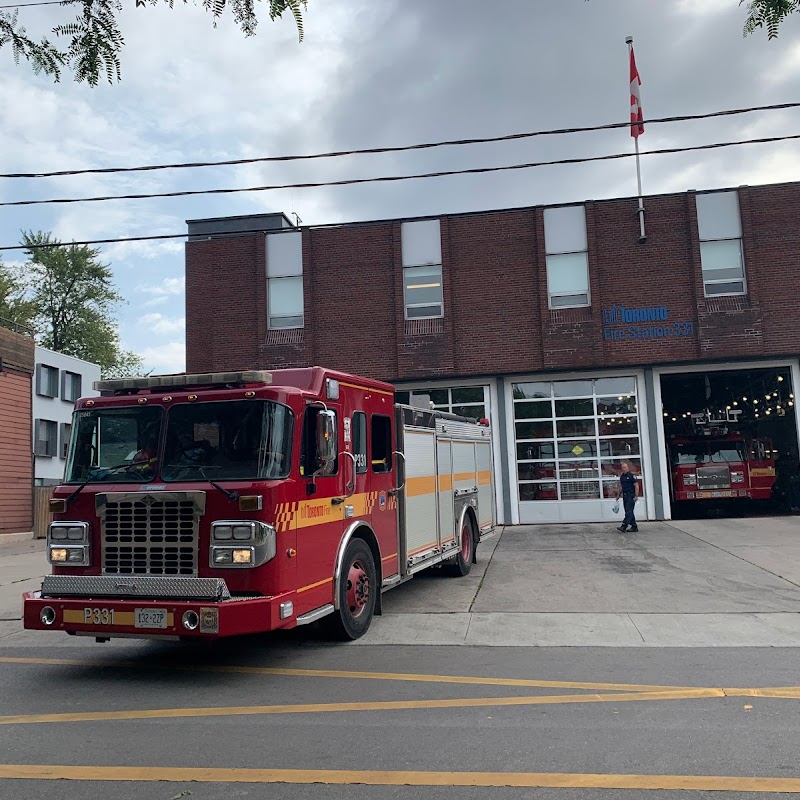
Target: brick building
{"x":16,"y":459}
{"x":581,"y":343}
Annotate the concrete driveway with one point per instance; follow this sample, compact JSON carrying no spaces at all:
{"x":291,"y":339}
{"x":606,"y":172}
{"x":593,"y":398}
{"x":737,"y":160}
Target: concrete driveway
{"x":693,"y":583}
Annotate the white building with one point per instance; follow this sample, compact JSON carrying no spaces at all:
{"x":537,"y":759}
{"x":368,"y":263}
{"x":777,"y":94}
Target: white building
{"x":58,"y":382}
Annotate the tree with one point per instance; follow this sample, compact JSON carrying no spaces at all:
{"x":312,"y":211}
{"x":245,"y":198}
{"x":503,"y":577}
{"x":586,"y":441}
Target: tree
{"x":767,"y":14}
{"x":16,"y":312}
{"x":73,"y":301}
{"x":95,"y":39}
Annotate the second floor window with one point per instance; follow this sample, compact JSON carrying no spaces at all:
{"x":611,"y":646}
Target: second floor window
{"x":285,"y":280}
{"x":46,"y":381}
{"x":567,"y":257}
{"x":720,"y":228}
{"x":422,"y":269}
{"x":70,"y":386}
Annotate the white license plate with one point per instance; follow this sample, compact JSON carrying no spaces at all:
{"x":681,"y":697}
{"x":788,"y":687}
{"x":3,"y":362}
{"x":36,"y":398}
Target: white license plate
{"x":150,"y":618}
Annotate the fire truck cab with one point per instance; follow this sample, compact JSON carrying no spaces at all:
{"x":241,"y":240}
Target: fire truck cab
{"x":232,"y":503}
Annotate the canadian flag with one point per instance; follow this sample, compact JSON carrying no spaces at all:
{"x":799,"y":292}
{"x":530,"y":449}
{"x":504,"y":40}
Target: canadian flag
{"x":637,"y":126}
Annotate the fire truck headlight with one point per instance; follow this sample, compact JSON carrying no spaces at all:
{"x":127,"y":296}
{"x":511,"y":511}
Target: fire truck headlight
{"x":737,"y":477}
{"x":222,"y":556}
{"x":244,"y":532}
{"x":68,"y":531}
{"x":261,"y":538}
{"x":221,"y":532}
{"x":689,"y":479}
{"x":76,"y":556}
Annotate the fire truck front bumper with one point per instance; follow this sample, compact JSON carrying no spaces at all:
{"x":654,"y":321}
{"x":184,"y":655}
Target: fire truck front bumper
{"x":91,"y":606}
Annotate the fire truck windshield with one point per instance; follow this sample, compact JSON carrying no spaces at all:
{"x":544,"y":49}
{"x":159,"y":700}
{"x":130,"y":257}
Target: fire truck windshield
{"x":117,"y":445}
{"x":228,"y":440}
{"x":708,"y":452}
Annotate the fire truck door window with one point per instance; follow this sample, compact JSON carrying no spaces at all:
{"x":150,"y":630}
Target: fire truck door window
{"x":310,"y":461}
{"x":360,"y":441}
{"x":381,"y":443}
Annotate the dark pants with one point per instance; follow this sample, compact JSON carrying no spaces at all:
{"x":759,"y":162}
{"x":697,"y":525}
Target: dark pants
{"x":628,"y":503}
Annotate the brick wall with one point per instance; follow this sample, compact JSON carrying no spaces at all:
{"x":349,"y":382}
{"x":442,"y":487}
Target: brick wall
{"x":497,"y":319}
{"x":16,"y":459}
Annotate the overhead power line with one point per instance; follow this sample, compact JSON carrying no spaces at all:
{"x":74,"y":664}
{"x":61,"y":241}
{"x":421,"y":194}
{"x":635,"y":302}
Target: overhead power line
{"x":395,"y":178}
{"x":28,"y":5}
{"x":397,"y":149}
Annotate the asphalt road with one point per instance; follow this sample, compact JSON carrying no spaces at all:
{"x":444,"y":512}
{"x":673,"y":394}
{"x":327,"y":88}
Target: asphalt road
{"x":275,"y":717}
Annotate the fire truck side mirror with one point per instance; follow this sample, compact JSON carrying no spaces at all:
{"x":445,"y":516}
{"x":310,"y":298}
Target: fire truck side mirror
{"x":326,"y":437}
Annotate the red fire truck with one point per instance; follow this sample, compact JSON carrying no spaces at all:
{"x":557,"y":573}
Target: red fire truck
{"x":232,"y":503}
{"x":721,"y":465}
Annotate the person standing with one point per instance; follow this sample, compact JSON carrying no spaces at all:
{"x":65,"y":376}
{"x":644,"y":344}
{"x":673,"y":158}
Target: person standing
{"x":629,"y":491}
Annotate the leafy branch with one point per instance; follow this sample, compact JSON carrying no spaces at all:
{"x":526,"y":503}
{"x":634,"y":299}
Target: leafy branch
{"x":96,"y":41}
{"x":43,"y":56}
{"x":767,"y":14}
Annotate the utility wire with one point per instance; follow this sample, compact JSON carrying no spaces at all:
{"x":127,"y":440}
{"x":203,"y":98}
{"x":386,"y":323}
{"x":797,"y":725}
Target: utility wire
{"x":28,"y":5}
{"x":397,"y":149}
{"x":395,"y":178}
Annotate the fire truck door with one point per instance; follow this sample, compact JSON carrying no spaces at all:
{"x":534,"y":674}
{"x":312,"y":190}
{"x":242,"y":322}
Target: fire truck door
{"x":383,"y":480}
{"x":321,"y":510}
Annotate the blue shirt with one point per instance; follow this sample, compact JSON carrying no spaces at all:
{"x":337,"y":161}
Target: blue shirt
{"x":627,"y":482}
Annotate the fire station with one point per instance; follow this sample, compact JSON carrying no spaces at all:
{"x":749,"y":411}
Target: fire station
{"x":582,"y":342}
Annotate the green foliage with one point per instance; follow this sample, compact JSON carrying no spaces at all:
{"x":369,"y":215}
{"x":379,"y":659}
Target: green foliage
{"x":767,"y":14}
{"x":16,"y":312}
{"x":95,"y":39}
{"x":73,"y":300}
{"x":42,"y":56}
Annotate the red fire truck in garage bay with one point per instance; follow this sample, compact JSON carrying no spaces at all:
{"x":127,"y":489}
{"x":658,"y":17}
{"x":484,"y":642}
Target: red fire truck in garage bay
{"x":717,"y":464}
{"x":233,"y":503}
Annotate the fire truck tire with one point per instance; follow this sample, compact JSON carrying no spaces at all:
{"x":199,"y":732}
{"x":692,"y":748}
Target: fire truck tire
{"x":462,"y":563}
{"x":358,"y":588}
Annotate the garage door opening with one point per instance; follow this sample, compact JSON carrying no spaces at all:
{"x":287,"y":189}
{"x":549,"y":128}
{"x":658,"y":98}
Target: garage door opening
{"x":731,"y":442}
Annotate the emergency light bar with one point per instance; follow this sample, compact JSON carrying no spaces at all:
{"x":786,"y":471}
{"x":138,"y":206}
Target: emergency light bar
{"x":182,"y":379}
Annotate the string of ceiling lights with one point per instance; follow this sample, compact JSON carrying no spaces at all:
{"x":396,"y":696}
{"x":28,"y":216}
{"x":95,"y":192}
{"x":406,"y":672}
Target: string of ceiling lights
{"x":760,"y":404}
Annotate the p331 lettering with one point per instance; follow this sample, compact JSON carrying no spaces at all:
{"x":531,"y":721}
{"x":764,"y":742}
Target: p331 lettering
{"x":98,"y":616}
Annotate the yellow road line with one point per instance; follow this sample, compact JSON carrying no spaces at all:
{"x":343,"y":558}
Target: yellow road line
{"x":780,"y":692}
{"x":379,"y":705}
{"x":530,"y":780}
{"x":352,"y":675}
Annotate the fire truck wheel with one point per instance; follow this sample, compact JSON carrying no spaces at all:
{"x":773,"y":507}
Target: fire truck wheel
{"x":358,"y":589}
{"x":462,"y":563}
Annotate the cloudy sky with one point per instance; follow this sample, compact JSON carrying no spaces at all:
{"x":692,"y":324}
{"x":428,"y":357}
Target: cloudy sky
{"x":371,"y":74}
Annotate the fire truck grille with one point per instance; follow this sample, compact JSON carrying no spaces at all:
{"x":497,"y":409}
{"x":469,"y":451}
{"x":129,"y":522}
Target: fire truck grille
{"x":151,"y":534}
{"x":716,"y":477}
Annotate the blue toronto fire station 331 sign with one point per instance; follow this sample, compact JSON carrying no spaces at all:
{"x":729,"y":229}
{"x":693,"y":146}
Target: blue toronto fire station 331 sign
{"x":623,"y":324}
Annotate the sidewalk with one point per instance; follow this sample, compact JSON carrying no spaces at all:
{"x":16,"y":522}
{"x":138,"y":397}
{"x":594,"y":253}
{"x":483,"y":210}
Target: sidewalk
{"x":677,"y":584}
{"x":22,"y":565}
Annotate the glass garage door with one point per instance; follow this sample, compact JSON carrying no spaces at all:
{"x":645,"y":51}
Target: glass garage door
{"x":571,"y":438}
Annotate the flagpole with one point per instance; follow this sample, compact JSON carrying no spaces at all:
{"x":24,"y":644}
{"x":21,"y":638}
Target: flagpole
{"x":642,"y":236}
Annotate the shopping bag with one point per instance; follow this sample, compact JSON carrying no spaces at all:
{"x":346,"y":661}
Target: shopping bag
{"x":615,"y":507}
